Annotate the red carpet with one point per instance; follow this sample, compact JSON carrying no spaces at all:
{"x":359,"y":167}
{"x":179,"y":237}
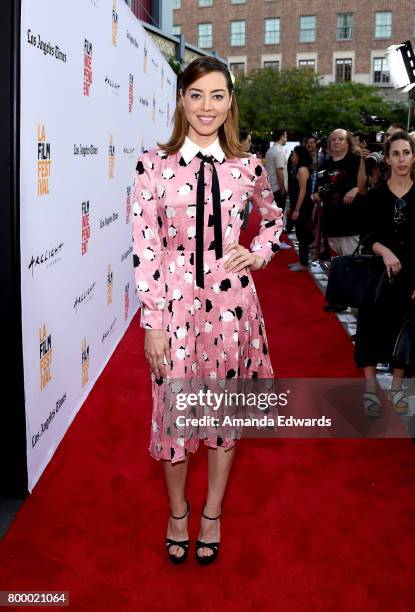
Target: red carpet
{"x":307,"y":524}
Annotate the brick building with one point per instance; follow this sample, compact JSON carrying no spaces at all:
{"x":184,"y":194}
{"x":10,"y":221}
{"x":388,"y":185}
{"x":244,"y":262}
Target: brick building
{"x":342,"y":40}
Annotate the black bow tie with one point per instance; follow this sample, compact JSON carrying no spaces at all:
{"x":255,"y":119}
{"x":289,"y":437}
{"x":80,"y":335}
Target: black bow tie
{"x":200,"y":210}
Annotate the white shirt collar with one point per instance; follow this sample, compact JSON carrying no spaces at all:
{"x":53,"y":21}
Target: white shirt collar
{"x":190,"y":149}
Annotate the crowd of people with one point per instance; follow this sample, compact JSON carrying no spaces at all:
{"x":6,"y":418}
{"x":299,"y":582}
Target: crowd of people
{"x":347,"y":194}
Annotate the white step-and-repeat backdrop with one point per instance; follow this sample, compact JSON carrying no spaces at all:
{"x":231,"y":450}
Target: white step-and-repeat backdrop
{"x":95,"y":91}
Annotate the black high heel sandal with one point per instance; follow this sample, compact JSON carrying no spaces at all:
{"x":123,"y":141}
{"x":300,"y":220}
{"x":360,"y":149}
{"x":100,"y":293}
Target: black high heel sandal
{"x":214,"y":546}
{"x":183,"y":543}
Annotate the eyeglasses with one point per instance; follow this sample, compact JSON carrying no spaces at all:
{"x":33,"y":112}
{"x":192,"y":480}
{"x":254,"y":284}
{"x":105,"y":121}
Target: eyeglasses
{"x":399,"y":216}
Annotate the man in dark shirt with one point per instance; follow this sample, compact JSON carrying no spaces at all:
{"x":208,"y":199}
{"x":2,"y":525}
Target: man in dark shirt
{"x":337,"y":189}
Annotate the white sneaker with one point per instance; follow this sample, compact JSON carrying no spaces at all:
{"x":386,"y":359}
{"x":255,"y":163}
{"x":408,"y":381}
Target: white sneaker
{"x":285,"y":246}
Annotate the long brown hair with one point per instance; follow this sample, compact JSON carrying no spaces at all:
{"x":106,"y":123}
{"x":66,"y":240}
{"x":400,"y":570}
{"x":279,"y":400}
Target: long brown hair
{"x":228,"y":131}
{"x":402,"y":135}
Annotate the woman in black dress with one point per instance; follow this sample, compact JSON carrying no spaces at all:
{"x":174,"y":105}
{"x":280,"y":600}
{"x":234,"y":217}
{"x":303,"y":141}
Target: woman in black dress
{"x":300,"y":196}
{"x":389,"y":232}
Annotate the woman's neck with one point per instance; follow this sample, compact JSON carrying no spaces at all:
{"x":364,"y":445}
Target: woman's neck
{"x":400,"y":184}
{"x":200,"y":140}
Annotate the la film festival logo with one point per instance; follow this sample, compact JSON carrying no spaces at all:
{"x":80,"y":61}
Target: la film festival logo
{"x":111,"y":158}
{"x":114,"y":23}
{"x":130,"y":93}
{"x":145,"y":56}
{"x":128,"y":205}
{"x":162,"y":76}
{"x":45,"y":354}
{"x":109,"y":284}
{"x":85,"y":227}
{"x":126,"y":301}
{"x":87,"y":67}
{"x":43,"y":162}
{"x":154,"y":108}
{"x":85,"y":362}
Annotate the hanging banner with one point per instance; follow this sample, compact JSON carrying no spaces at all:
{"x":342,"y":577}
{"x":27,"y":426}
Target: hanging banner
{"x":95,"y":92}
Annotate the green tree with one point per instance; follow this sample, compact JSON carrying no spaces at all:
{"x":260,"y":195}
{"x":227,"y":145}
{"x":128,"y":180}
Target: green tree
{"x":297,"y":99}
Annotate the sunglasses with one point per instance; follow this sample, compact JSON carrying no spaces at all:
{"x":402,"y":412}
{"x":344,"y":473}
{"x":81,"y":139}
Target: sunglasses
{"x":399,"y":215}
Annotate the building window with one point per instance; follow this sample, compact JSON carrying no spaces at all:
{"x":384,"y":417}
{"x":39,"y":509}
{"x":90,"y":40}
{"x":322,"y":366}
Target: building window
{"x":344,"y":26}
{"x":383,"y":24}
{"x":177,"y":4}
{"x":237,"y":68}
{"x":238,"y":1}
{"x":274,"y":64}
{"x":205,"y":2}
{"x":380,"y":70}
{"x":272,"y":31}
{"x":237,"y":33}
{"x":204,"y":35}
{"x":308,"y":64}
{"x":177,"y":30}
{"x":308,"y":28}
{"x":343,"y":70}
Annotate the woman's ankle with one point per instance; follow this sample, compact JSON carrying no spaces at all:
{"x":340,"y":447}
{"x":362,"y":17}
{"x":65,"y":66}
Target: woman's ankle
{"x":178,"y":507}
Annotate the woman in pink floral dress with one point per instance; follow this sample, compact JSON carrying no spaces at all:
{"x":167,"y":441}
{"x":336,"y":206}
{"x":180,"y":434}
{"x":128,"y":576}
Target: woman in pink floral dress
{"x":199,"y":307}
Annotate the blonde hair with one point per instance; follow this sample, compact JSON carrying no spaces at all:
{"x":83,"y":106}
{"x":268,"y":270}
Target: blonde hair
{"x":349,"y":140}
{"x":228,"y":132}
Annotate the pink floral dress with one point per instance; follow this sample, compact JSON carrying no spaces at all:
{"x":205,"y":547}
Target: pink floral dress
{"x":215,"y":332}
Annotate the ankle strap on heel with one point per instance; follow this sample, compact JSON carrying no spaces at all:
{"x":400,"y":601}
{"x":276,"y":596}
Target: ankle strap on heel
{"x":210,"y":517}
{"x":184,"y":515}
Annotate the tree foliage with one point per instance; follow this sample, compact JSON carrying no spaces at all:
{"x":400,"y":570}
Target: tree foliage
{"x":297,"y":100}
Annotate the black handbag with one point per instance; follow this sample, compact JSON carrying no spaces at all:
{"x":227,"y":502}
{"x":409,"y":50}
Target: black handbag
{"x":404,"y":350}
{"x":355,"y":280}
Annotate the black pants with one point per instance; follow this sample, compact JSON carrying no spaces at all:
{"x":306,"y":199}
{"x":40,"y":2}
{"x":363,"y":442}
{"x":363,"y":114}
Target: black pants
{"x":378,"y":325}
{"x":280,"y":199}
{"x":304,"y":236}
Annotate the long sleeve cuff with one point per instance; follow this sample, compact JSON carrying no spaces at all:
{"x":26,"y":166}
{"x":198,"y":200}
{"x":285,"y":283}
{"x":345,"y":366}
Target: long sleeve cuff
{"x":266,"y":251}
{"x":151,"y":319}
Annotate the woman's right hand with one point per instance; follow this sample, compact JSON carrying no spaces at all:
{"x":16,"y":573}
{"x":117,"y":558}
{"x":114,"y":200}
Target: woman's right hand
{"x":392,"y":264}
{"x":156,"y":347}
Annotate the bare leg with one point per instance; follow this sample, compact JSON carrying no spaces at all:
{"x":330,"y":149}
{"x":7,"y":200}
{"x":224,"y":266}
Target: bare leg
{"x":398,"y":374}
{"x":371,"y":401}
{"x":219,"y":467}
{"x":175,"y":476}
{"x":398,"y":398}
{"x":370,"y":375}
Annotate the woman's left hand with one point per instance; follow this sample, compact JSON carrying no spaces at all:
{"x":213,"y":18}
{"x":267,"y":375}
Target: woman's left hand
{"x":241,"y":258}
{"x":413,"y":295}
{"x":295,"y":215}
